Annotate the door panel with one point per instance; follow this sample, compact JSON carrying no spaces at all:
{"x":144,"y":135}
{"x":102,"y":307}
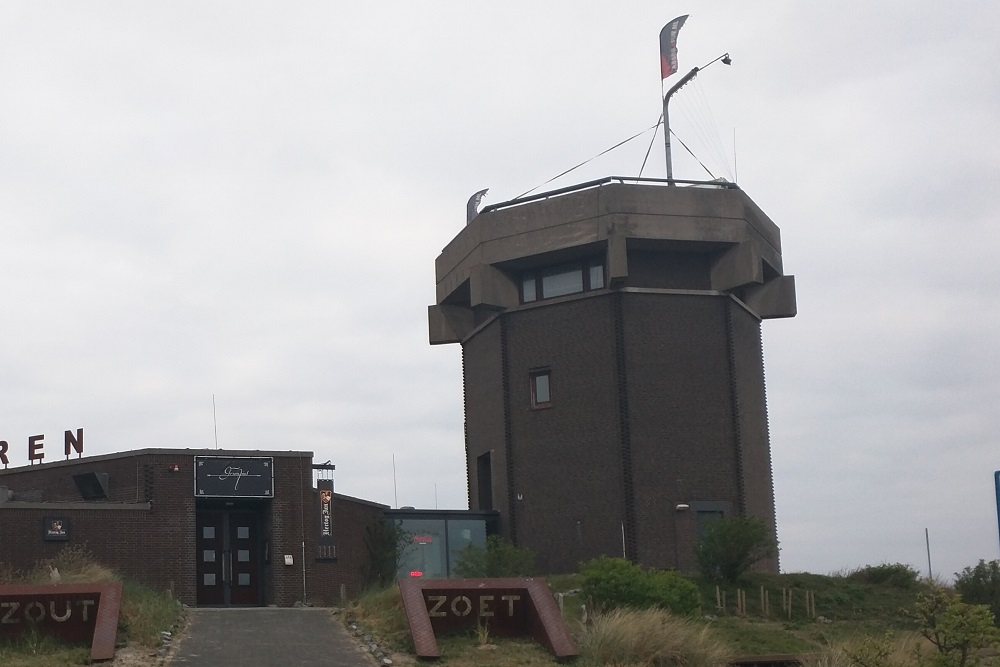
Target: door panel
{"x":245,"y":558}
{"x":229,"y":562}
{"x":211,"y":556}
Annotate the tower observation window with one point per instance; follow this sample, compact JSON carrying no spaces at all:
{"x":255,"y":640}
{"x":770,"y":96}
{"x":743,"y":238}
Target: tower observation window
{"x":562,"y":279}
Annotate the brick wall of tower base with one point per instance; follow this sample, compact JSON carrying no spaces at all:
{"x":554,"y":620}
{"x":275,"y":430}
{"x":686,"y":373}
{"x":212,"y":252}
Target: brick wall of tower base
{"x":693,"y":435}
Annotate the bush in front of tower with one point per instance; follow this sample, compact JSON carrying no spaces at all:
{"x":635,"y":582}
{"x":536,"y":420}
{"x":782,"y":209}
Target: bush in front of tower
{"x":615,"y":582}
{"x":499,"y":558}
{"x":731,"y":545}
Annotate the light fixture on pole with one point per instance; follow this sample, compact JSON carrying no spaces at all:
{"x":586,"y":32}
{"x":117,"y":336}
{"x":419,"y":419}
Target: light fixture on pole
{"x":726,"y":60}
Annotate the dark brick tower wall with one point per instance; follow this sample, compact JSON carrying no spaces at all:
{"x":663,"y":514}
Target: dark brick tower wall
{"x":658,"y":419}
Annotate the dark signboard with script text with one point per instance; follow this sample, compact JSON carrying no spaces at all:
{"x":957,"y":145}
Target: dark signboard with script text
{"x":228,"y":477}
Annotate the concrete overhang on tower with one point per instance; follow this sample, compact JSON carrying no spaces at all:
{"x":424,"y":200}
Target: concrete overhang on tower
{"x":478,"y":272}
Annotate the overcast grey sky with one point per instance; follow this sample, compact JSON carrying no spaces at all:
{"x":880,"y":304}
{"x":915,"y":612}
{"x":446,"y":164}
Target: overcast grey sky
{"x":245,"y":200}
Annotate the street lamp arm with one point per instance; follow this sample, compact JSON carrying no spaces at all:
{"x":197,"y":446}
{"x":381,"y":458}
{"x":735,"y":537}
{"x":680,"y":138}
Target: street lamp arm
{"x":680,"y":84}
{"x":666,"y":102}
{"x":666,"y":119}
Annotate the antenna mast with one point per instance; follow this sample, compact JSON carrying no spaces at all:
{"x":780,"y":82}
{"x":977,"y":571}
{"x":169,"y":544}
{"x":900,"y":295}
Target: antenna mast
{"x":395,"y":495}
{"x":215,"y":423}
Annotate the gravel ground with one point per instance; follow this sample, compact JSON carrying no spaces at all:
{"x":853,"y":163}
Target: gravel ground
{"x":131,"y":656}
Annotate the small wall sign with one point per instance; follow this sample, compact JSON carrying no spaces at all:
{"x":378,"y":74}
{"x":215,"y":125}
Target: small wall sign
{"x":55,"y":529}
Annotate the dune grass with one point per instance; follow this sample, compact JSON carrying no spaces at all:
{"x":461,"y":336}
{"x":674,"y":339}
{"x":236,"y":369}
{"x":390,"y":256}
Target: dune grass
{"x":848,"y":613}
{"x":640,"y":637}
{"x":380,"y":612}
{"x":37,"y":651}
{"x":886,"y":650}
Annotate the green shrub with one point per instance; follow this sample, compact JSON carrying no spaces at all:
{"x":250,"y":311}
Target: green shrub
{"x":612,"y":582}
{"x":981,"y":585}
{"x":669,"y":590}
{"x":498,"y":558}
{"x":898,"y":575}
{"x":957,"y":630}
{"x":731,"y":545}
{"x":868,"y":650}
{"x":385,"y":542}
{"x":615,"y":582}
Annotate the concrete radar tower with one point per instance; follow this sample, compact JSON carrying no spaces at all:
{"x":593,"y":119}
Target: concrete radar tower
{"x":612,"y":365}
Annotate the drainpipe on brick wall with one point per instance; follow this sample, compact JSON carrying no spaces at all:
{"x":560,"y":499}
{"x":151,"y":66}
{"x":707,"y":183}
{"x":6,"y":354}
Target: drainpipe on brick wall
{"x":305,"y":596}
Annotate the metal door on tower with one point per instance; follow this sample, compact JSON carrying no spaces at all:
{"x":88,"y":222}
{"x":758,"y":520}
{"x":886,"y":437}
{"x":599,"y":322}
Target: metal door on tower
{"x":229,"y":567}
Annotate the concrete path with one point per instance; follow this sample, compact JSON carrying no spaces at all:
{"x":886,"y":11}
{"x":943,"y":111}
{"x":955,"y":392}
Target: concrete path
{"x":267,"y":637}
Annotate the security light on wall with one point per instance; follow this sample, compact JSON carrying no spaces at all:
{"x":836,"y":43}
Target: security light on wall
{"x":682,"y":507}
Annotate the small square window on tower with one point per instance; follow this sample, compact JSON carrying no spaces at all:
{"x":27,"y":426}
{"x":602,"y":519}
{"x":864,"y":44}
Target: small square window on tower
{"x":541,"y":390}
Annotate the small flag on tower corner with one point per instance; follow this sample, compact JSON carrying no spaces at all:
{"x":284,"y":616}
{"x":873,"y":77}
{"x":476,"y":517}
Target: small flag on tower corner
{"x":668,"y":46}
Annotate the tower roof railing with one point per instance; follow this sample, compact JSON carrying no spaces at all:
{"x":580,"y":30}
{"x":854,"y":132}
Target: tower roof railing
{"x":720,"y":184}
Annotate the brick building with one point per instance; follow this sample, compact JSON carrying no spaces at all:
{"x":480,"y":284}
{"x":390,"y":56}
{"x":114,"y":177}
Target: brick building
{"x":613,"y":367}
{"x":186,"y":521}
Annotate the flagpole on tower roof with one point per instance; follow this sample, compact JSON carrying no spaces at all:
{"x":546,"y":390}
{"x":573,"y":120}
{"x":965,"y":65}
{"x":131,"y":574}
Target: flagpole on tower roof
{"x":668,"y":65}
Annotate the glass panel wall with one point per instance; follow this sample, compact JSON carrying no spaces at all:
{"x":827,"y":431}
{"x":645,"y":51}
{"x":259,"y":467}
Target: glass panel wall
{"x":429,"y":544}
{"x":423,"y":549}
{"x":462,"y":534}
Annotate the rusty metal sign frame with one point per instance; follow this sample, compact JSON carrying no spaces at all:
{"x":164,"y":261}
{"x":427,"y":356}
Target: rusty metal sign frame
{"x":109,"y":599}
{"x":510,"y":607}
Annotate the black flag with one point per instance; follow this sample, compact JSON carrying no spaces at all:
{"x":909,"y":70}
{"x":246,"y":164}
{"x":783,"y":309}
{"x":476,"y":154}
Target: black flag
{"x":668,"y":46}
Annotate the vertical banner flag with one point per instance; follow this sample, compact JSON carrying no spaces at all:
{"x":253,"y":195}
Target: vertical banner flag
{"x":668,"y":46}
{"x":325,"y":542}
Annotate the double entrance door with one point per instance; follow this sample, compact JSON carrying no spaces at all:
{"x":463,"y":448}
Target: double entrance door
{"x":229,"y":558}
